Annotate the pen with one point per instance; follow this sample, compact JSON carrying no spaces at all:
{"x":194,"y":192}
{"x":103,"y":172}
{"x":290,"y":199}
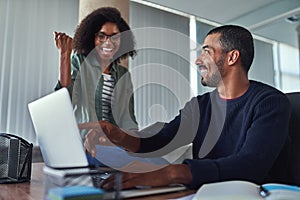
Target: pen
{"x":263,"y":191}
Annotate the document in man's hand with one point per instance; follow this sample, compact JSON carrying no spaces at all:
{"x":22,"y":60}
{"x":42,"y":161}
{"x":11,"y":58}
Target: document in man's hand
{"x":236,"y":190}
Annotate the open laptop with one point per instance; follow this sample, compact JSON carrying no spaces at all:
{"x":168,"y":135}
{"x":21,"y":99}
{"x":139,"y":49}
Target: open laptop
{"x":60,"y":142}
{"x":57,"y":131}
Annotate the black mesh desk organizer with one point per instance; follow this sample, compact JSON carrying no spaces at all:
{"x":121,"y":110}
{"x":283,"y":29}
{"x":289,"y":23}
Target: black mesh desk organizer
{"x":15,"y":159}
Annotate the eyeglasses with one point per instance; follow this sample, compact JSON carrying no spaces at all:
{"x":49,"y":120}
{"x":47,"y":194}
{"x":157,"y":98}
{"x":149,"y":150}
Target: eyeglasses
{"x":113,"y":38}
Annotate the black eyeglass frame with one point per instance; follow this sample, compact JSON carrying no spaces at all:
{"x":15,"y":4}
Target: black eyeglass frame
{"x":114,"y":38}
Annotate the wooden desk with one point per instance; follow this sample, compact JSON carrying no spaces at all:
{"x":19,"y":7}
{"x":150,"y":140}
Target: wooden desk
{"x":34,"y":190}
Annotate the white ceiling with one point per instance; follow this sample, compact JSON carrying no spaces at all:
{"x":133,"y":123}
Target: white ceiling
{"x":265,"y":18}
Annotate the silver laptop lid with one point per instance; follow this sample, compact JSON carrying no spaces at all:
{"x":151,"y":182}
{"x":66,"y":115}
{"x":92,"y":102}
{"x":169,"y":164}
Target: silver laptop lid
{"x":57,"y":131}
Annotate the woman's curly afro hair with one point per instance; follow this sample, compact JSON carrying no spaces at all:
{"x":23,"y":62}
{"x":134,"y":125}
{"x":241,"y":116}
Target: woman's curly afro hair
{"x":83,"y":41}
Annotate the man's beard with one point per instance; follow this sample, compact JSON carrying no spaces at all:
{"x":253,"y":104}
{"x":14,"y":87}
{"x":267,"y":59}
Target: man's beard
{"x":215,"y":78}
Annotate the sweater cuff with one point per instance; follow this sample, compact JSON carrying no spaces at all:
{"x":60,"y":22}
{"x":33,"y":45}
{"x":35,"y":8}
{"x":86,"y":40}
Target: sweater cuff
{"x":203,"y":171}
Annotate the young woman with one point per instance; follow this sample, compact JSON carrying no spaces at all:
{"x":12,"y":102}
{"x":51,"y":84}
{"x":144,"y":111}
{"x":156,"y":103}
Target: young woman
{"x":100,"y":87}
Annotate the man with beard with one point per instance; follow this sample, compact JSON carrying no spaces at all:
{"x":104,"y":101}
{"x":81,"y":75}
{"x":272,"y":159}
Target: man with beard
{"x":237,"y":131}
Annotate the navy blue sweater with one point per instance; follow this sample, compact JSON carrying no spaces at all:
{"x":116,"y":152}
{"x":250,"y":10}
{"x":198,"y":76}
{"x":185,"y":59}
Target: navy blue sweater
{"x":232,"y":139}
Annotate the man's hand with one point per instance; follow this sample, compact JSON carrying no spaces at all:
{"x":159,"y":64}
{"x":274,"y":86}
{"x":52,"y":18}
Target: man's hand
{"x":97,"y":135}
{"x":102,"y":130}
{"x":171,"y":174}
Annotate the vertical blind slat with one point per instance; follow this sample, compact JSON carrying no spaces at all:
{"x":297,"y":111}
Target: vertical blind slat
{"x":29,"y":59}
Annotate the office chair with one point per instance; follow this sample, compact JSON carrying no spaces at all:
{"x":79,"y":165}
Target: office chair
{"x":286,"y":168}
{"x":293,"y":168}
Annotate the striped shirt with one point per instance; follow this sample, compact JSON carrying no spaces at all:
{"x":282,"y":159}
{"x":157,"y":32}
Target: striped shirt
{"x":107,"y":97}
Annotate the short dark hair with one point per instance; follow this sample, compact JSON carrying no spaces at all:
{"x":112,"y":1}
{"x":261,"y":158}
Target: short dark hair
{"x":83,"y":41}
{"x":236,"y":37}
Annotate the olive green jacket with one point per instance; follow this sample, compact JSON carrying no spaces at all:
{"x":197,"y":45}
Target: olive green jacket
{"x":86,"y":92}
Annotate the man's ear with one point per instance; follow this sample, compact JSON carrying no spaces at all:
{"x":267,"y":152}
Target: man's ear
{"x":233,"y":57}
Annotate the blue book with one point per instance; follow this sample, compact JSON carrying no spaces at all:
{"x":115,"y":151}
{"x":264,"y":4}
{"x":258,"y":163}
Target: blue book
{"x":75,"y":193}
